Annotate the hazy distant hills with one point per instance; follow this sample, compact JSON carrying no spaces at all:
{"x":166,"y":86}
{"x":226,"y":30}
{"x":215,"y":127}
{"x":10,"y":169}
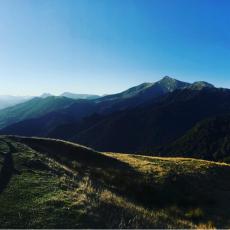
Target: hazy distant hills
{"x":7,"y":100}
{"x":73,"y":95}
{"x":39,"y":106}
{"x":146,"y":119}
{"x":79,"y":96}
{"x":33,"y":108}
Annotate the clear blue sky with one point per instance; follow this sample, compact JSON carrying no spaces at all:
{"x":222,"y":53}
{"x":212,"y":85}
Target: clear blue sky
{"x":106,"y":46}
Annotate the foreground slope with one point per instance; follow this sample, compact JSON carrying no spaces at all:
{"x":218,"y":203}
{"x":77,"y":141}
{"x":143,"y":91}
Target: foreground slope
{"x":48,"y":183}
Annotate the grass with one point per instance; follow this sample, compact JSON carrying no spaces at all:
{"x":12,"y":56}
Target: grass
{"x":58,"y":184}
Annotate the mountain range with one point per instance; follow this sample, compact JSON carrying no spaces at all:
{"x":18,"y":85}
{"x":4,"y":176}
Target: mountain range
{"x":151,"y":118}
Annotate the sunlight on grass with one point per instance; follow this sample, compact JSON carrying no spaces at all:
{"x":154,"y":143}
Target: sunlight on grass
{"x":110,"y":190}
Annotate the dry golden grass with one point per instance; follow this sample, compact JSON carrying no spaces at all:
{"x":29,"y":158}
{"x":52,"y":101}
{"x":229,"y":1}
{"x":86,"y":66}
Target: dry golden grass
{"x":62,"y":185}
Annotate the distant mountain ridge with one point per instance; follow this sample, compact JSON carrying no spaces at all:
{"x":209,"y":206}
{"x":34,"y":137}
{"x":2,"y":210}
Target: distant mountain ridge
{"x":130,"y":98}
{"x":7,"y":101}
{"x":136,"y":120}
{"x":167,"y":84}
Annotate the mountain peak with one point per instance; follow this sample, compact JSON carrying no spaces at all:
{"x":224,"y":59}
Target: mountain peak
{"x":168,"y":79}
{"x":45,"y":95}
{"x":170,"y":84}
{"x":198,"y":85}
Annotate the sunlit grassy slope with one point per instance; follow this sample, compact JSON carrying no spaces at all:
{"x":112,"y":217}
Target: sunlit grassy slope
{"x":47,"y":183}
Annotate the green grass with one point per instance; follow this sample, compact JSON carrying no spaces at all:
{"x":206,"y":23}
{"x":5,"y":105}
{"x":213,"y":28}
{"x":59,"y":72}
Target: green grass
{"x":57,"y":184}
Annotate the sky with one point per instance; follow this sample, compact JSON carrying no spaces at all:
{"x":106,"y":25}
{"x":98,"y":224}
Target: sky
{"x":107,"y":46}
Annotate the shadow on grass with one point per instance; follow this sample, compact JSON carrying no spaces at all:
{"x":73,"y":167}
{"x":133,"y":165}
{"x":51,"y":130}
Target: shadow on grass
{"x":8,"y":169}
{"x":120,"y":177}
{"x":67,"y":153}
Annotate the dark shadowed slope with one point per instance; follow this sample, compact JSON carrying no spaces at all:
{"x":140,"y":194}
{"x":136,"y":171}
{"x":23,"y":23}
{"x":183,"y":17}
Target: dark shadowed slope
{"x":209,"y":139}
{"x":64,"y":185}
{"x":143,"y":129}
